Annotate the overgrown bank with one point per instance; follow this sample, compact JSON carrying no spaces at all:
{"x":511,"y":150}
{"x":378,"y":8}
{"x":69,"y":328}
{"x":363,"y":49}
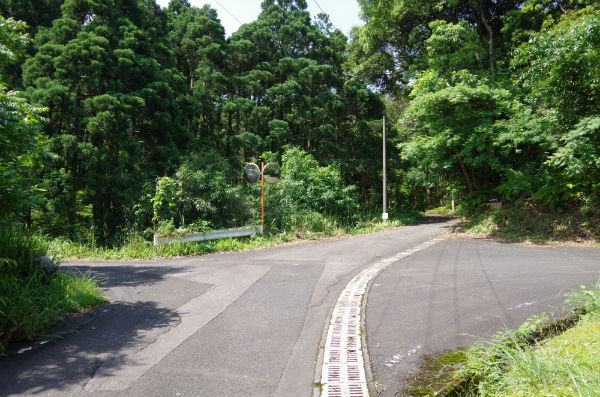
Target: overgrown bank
{"x":541,"y":358}
{"x":530,"y":221}
{"x":34,"y":297}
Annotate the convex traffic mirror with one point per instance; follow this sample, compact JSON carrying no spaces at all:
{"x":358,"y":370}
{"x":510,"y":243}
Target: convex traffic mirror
{"x":251,"y":173}
{"x":271,"y":173}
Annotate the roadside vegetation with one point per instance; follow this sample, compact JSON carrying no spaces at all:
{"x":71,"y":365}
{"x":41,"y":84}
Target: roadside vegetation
{"x":532,"y":222}
{"x":528,"y":221}
{"x":309,"y":201}
{"x":33,"y":297}
{"x":136,"y":246}
{"x":543,"y":358}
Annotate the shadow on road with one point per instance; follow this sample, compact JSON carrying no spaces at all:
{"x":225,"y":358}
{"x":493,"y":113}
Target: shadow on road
{"x":124,"y":276}
{"x":433,"y":219}
{"x":71,"y":354}
{"x":118,"y":328}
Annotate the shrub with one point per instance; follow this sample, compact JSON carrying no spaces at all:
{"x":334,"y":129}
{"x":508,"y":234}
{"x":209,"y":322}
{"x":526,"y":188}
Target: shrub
{"x":203,"y":199}
{"x":307,"y":194}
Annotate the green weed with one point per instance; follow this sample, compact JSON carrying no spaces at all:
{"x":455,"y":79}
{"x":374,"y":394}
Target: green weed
{"x":31,"y":304}
{"x":309,"y":226}
{"x":30,"y":299}
{"x":566,"y":365}
{"x":541,"y":358}
{"x":531,"y":221}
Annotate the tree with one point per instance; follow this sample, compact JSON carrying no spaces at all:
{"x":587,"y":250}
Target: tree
{"x":22,"y":142}
{"x":558,"y":67}
{"x":453,"y":123}
{"x":530,"y":134}
{"x":453,"y":47}
{"x":288,"y":85}
{"x":199,"y":49}
{"x":103,"y":70}
{"x":34,"y":13}
{"x":391,"y":47}
{"x":558,"y":70}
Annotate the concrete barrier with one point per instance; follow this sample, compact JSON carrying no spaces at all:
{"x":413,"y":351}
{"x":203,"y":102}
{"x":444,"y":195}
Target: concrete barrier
{"x":166,"y":239}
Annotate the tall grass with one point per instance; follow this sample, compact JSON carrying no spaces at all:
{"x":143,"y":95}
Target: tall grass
{"x":521,"y":363}
{"x":307,"y":225}
{"x":18,"y":247}
{"x":32,"y":300}
{"x":566,"y":365}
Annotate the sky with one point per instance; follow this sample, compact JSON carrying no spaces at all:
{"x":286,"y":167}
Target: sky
{"x":342,"y":13}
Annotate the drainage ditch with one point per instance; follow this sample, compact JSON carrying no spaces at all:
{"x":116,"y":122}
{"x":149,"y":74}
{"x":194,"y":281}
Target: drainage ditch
{"x":437,"y":373}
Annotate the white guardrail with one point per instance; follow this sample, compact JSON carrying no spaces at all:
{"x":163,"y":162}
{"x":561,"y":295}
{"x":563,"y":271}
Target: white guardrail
{"x":164,"y":239}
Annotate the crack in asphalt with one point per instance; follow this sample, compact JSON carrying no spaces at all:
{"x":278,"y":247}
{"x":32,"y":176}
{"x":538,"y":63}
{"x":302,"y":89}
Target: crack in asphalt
{"x":103,"y":363}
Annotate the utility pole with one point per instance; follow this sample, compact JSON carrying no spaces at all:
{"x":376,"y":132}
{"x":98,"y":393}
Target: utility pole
{"x":384,"y":214}
{"x":262,"y":198}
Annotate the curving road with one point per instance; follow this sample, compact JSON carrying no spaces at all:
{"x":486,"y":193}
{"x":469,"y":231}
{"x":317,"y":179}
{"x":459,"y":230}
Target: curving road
{"x":254,"y":323}
{"x":462,"y":290}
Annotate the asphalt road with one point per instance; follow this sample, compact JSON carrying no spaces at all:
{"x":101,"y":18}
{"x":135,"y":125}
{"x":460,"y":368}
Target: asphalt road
{"x":236,"y":324}
{"x":460,"y":291}
{"x":252,"y":323}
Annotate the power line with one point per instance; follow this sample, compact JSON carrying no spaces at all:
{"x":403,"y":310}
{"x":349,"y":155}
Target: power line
{"x":319,"y":7}
{"x":234,"y":17}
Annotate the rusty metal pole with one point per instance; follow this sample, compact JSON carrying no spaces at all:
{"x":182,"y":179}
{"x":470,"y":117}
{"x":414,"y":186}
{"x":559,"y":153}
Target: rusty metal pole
{"x":262,"y":197}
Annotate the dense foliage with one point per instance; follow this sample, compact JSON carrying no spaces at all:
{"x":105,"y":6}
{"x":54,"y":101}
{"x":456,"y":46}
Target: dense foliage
{"x":127,"y":116}
{"x":497,"y":98}
{"x":22,"y":142}
{"x":151,"y":113}
{"x":309,"y":196}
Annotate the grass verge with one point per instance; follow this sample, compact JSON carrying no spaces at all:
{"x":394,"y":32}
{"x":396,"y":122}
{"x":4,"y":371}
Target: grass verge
{"x":136,"y":247}
{"x":32,"y":298}
{"x":566,"y":365}
{"x":33,"y":304}
{"x":540,"y":359}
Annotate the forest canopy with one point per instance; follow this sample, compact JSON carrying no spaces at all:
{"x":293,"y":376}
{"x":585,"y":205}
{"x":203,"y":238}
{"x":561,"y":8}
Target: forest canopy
{"x":133,"y":93}
{"x":495,"y":98}
{"x":122,"y":116}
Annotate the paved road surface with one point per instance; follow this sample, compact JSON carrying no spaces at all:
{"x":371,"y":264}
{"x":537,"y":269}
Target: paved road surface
{"x":251,"y":323}
{"x":460,"y":290}
{"x":237,"y":324}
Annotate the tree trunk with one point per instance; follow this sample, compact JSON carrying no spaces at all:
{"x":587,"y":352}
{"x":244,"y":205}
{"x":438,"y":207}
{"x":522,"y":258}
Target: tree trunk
{"x":479,"y":60}
{"x":473,"y":178}
{"x":466,"y":175}
{"x":490,"y":37}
